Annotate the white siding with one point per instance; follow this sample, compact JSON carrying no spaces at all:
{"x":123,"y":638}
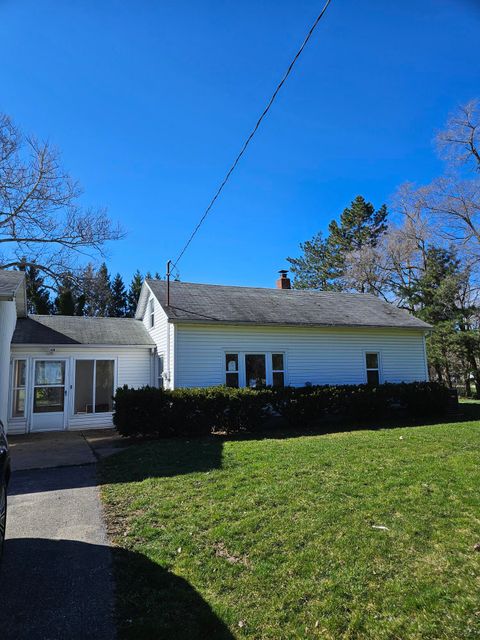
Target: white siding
{"x":8,"y":318}
{"x":133,"y":366}
{"x":315,"y":355}
{"x":162,"y":334}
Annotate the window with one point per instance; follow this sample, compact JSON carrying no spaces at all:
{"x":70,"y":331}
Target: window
{"x":160,"y":369}
{"x":94,"y":380}
{"x":152,"y":313}
{"x":49,"y":386}
{"x":373,"y":369}
{"x":278,"y":370}
{"x":19,"y":377}
{"x":231,"y":370}
{"x":255,"y":370}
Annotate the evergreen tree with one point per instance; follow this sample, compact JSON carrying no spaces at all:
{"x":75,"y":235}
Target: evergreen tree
{"x":97,"y":290}
{"x":118,"y":300}
{"x":38,"y":296}
{"x":103,"y":291}
{"x":322,"y":265}
{"x":65,"y":301}
{"x":134,"y":293}
{"x":440,"y":296}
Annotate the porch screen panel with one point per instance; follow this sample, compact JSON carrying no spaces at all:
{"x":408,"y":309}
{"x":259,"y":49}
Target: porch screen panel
{"x":84,"y":386}
{"x":104,"y":386}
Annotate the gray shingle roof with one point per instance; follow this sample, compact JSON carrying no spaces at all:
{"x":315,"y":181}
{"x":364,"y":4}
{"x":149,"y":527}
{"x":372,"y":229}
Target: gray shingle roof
{"x":248,"y":305}
{"x":78,"y":330}
{"x":10,"y":281}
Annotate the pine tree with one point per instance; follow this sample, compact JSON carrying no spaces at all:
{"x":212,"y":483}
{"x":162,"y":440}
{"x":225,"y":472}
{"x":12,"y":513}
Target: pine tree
{"x":38,"y":296}
{"x":118,"y":300}
{"x":134,"y":293}
{"x":65,"y":301}
{"x":103,"y":291}
{"x":322,"y":264}
{"x":97,"y":290}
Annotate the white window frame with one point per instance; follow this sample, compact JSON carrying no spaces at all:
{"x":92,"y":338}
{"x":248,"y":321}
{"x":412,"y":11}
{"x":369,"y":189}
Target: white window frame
{"x":151,"y":307}
{"x":278,"y":353}
{"x":242,"y":382}
{"x":14,"y":388}
{"x":378,"y":368}
{"x":226,"y":371}
{"x":74,"y":376}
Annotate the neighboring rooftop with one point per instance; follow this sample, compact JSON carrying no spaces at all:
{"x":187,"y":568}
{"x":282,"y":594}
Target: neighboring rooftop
{"x":10,"y":281}
{"x":12,"y":287}
{"x":208,"y":303}
{"x":38,"y":329}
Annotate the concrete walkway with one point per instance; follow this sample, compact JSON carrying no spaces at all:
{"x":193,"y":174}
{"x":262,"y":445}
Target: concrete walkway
{"x":56,"y":579}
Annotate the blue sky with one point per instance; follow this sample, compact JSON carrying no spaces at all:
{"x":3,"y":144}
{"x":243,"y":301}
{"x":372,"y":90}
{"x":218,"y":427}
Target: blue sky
{"x":149,"y":102}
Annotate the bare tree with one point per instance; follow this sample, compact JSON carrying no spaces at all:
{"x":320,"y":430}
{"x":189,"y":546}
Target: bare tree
{"x":41,"y":221}
{"x":459,"y":142}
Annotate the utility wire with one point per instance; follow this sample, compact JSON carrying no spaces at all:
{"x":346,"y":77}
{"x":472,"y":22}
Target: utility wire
{"x":253,"y":132}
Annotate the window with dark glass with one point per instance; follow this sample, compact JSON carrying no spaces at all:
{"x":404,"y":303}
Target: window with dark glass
{"x":94,"y":380}
{"x":373,"y":370}
{"x":19,"y":377}
{"x":231,"y":370}
{"x":278,"y":370}
{"x":255,"y":370}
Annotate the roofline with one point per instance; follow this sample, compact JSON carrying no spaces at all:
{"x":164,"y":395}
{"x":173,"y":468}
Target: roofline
{"x":82,"y":345}
{"x":426,"y":326}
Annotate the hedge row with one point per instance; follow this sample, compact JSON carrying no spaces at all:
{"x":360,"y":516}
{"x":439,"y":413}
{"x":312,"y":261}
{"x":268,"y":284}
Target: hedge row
{"x":159,"y":413}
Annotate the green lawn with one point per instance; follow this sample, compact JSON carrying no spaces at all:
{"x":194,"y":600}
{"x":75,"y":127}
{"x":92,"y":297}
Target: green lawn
{"x":278,"y":538}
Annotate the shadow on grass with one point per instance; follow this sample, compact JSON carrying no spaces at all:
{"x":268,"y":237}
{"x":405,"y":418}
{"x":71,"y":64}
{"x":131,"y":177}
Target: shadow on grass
{"x":179,"y":456}
{"x":64,"y":589}
{"x":154,"y":603}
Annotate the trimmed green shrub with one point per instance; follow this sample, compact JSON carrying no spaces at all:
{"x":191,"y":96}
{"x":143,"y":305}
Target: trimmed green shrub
{"x":201,"y":411}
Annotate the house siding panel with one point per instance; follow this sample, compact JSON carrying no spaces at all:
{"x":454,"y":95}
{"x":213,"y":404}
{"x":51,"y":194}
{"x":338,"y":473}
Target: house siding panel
{"x":315,"y":355}
{"x":162,"y":334}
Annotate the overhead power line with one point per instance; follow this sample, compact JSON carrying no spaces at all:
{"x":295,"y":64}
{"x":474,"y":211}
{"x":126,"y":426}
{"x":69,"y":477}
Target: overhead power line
{"x":252,"y":133}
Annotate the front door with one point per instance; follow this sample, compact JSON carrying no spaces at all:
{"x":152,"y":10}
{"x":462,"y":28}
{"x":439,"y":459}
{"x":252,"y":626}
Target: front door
{"x":49,"y":394}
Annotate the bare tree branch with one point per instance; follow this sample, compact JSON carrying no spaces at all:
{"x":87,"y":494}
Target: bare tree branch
{"x":40,"y":214}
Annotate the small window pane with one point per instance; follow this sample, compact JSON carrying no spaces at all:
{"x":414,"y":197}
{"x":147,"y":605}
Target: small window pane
{"x":278,"y":379}
{"x":19,"y":374}
{"x":373,"y":377}
{"x":49,"y":372}
{"x":104,"y":386}
{"x":48,"y":399}
{"x":231,"y":362}
{"x":84,"y":386}
{"x":19,"y":403}
{"x":372,"y":360}
{"x":277,"y":361}
{"x":232,"y":380}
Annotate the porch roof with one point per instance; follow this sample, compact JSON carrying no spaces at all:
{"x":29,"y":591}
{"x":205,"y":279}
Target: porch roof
{"x":53,"y":330}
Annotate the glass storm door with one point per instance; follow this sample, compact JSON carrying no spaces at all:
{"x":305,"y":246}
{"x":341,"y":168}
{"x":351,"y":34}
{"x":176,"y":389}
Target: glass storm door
{"x":49,"y":395}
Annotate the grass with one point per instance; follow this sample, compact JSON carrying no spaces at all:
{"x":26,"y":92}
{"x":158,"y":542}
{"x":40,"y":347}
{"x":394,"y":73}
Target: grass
{"x":279,"y":538}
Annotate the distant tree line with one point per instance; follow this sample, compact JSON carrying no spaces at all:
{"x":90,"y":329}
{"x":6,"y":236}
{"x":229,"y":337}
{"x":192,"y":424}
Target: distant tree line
{"x":88,"y":292}
{"x":423,"y":254}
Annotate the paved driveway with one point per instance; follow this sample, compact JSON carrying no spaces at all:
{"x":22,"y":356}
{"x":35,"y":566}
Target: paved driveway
{"x":56,"y":580}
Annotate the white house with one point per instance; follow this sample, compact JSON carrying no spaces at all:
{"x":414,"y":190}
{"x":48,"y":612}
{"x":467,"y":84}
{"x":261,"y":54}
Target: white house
{"x":60,"y":372}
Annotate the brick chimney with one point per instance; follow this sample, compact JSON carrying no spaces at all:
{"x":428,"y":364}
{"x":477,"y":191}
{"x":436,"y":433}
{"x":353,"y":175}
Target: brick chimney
{"x":283,"y":282}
